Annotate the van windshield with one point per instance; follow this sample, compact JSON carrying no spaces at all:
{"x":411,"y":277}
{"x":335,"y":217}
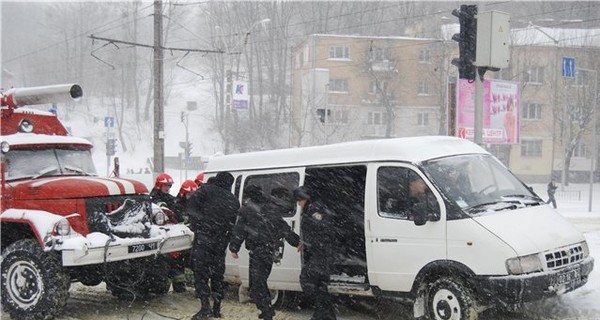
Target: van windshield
{"x":43,"y":162}
{"x":479,"y":184}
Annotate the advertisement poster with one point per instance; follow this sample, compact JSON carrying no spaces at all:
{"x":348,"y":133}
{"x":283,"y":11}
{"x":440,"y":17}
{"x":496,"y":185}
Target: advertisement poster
{"x":501,"y":111}
{"x":240,"y":95}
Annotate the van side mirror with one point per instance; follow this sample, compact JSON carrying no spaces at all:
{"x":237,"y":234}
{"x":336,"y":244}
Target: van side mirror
{"x":420,"y":219}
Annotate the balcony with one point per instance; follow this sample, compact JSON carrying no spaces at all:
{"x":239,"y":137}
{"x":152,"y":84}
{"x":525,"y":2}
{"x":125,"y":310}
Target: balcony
{"x":381,"y":66}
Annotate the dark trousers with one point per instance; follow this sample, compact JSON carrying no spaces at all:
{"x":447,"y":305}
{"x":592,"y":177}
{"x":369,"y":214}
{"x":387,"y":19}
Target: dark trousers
{"x":208,"y":262}
{"x":261,"y":264}
{"x":551,"y":200}
{"x":314,"y":279}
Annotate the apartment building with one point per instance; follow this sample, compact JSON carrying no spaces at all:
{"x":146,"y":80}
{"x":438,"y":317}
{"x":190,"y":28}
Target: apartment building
{"x":349,"y":87}
{"x":352,"y":87}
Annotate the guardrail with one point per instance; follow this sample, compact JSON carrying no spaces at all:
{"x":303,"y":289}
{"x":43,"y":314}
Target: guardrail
{"x":568,"y":195}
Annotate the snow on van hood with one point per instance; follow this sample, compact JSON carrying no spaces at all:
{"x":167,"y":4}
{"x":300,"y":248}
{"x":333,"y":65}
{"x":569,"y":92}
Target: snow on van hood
{"x":531,"y":230}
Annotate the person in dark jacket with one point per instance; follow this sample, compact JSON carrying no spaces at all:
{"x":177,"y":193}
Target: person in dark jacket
{"x":160,"y":196}
{"x":261,"y":226}
{"x":160,"y":193}
{"x":317,"y":232}
{"x":551,"y":192}
{"x":212,"y":211}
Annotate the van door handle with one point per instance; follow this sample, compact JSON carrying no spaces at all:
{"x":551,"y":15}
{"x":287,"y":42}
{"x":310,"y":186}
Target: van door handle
{"x":293,"y":225}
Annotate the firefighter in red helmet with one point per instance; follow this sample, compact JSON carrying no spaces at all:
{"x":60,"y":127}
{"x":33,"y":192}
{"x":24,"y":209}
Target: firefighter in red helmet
{"x":199,"y":178}
{"x":160,"y":194}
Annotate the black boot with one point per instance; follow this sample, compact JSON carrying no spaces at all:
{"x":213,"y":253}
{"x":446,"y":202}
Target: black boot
{"x":216,"y":309}
{"x":204,"y":312}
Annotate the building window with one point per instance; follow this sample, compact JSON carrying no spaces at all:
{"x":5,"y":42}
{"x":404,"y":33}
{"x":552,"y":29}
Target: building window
{"x":532,"y":111}
{"x":531,"y":148}
{"x":423,"y":119}
{"x":323,"y":114}
{"x":423,"y":88}
{"x":580,"y":151}
{"x":583,"y":78}
{"x":535,"y":75}
{"x":339,"y":52}
{"x":338,"y":85}
{"x":378,"y":87}
{"x":424,"y":56}
{"x":375,"y":118}
{"x":379,"y":54}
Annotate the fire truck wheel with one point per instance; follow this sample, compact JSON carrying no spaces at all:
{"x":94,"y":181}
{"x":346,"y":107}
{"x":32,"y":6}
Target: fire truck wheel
{"x":156,"y":281}
{"x":34,"y":285}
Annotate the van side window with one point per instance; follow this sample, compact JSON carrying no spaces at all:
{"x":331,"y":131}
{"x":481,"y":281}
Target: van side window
{"x":394,"y":194}
{"x":277,"y":187}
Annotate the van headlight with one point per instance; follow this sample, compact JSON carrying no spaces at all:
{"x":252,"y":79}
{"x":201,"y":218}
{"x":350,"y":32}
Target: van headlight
{"x":585,"y":248}
{"x":524,"y":264}
{"x":62,"y":227}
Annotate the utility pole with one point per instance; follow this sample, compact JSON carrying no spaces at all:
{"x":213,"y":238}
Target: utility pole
{"x":157,"y":47}
{"x":159,"y":131}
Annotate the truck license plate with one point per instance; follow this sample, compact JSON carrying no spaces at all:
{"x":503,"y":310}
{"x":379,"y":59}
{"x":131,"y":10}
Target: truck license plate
{"x":142,"y":247}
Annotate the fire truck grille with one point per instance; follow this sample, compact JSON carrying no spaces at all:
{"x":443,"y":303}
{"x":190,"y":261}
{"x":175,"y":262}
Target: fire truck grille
{"x":563,"y":257}
{"x":123,"y":216}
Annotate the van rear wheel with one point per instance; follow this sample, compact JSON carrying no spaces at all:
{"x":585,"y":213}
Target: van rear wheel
{"x":449,"y":299}
{"x":283,"y":299}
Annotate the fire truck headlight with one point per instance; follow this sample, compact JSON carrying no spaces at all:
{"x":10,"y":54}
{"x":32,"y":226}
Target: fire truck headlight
{"x":5,"y":146}
{"x":160,"y":217}
{"x":25,"y":126}
{"x":62,"y":227}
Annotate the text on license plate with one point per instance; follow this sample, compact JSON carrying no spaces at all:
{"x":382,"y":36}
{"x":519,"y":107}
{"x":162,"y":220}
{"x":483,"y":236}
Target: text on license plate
{"x":143,"y":247}
{"x":567,"y":277}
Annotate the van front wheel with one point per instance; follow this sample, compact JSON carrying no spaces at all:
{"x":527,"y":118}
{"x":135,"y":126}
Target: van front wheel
{"x":450,"y":299}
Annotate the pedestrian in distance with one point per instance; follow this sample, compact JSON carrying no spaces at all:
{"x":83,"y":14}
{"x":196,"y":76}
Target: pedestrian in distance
{"x":552,"y":186}
{"x":212,"y":210}
{"x":318,"y":238}
{"x":261,"y":226}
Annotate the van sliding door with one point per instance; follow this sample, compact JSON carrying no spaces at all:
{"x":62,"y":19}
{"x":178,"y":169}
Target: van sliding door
{"x":397,"y":248}
{"x":342,"y":190}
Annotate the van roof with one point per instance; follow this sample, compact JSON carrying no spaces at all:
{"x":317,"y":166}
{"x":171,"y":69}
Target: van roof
{"x":410,"y":149}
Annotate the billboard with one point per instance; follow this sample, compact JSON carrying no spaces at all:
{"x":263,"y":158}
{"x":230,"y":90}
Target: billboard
{"x":240,"y":95}
{"x":501,"y":111}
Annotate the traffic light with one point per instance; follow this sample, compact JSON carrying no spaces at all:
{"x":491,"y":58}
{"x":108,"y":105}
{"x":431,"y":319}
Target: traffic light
{"x":111,"y":147}
{"x":188,"y":150}
{"x":467,"y":41}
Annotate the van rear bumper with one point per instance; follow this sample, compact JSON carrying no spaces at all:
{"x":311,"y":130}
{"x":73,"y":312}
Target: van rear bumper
{"x":517,"y":289}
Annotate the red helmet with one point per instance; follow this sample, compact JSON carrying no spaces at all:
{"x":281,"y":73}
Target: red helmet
{"x":188,"y":186}
{"x":200,"y":178}
{"x":163,"y":178}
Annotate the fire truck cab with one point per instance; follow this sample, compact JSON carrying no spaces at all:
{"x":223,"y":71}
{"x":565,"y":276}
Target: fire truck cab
{"x":62,"y":223}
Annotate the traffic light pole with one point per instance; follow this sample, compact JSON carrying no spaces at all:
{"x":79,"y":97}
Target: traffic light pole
{"x":478,"y":121}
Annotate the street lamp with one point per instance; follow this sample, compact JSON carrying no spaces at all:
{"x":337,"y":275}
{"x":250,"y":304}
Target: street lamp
{"x":594,"y":142}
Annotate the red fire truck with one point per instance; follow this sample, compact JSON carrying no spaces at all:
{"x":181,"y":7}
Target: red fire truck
{"x":62,"y":223}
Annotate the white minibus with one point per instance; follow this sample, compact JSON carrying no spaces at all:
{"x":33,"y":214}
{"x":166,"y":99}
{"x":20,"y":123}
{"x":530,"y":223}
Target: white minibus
{"x":481,"y":237}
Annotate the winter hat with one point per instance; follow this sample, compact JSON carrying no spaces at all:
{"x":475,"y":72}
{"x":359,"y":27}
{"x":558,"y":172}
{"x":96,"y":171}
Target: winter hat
{"x":224,"y":180}
{"x":254,"y":193}
{"x":301,"y":193}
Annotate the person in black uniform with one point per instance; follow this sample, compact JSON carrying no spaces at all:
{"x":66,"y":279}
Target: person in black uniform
{"x":316,"y":230}
{"x":212,"y":211}
{"x":261,"y":226}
